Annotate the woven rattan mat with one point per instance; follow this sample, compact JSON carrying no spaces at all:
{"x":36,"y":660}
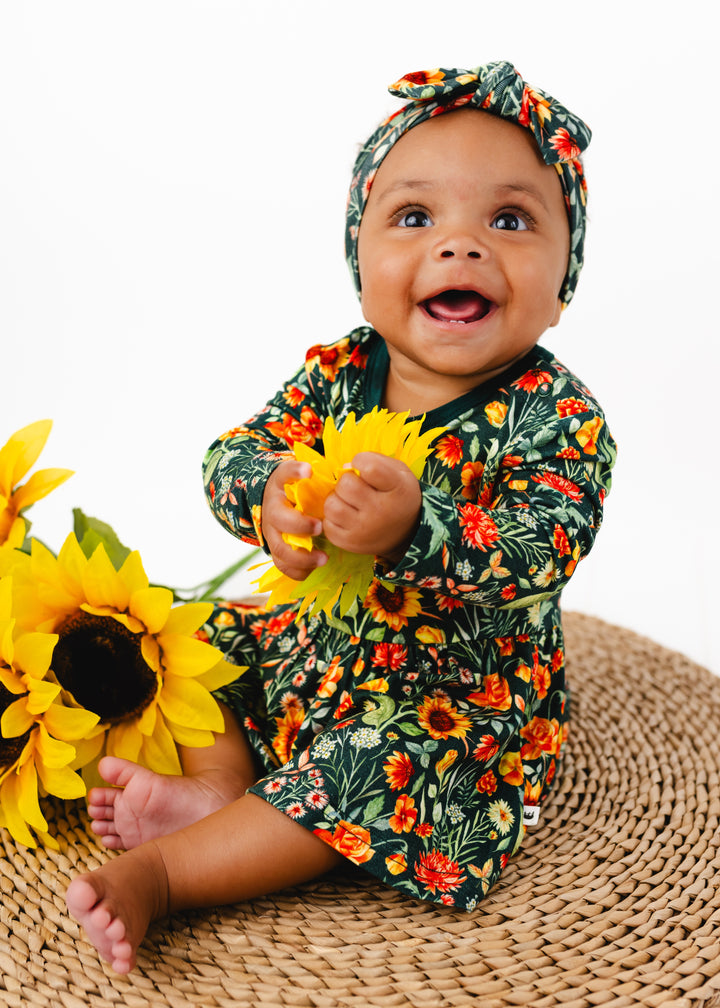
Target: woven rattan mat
{"x":613,"y":899}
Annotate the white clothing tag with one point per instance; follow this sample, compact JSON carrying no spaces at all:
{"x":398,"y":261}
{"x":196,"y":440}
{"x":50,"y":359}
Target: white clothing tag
{"x":531,"y":815}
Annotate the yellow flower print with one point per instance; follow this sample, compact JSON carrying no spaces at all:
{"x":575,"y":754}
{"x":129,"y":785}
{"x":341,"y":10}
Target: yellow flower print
{"x":392,"y":606}
{"x":588,"y":434}
{"x":441,"y":719}
{"x":496,"y":413}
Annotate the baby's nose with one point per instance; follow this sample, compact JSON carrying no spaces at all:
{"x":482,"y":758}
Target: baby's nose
{"x":448,"y":253}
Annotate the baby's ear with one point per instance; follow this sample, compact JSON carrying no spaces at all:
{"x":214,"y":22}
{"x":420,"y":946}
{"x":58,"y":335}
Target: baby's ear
{"x":558,"y":312}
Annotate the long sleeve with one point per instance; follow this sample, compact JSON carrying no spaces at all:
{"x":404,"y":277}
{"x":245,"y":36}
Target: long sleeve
{"x":238,"y":463}
{"x":505,"y":518}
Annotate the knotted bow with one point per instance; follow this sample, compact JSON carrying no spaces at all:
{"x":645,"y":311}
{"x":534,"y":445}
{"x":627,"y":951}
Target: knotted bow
{"x":497,"y":88}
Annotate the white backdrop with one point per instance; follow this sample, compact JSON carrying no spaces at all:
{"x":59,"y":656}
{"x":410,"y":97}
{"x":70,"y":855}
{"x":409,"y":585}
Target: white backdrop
{"x":172,"y":187}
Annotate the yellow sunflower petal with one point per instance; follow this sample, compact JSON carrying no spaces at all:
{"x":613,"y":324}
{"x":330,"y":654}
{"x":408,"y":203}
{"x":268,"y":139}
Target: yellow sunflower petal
{"x":186,"y":619}
{"x":38,"y":486}
{"x":21,"y":452}
{"x":186,"y":702}
{"x":88,"y":749}
{"x":152,"y":607}
{"x":124,"y":740}
{"x":151,"y":651}
{"x":102,"y":584}
{"x":159,"y":751}
{"x":69,"y":723}
{"x":197,"y":738}
{"x":133,"y":573}
{"x":51,"y":752}
{"x":16,"y":720}
{"x":14,"y":822}
{"x":41,"y":695}
{"x":33,"y":653}
{"x":220,"y":675}
{"x":27,"y":795}
{"x":186,"y":656}
{"x":147,"y":721}
{"x":62,"y":782}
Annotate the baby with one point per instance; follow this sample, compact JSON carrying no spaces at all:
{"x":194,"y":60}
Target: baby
{"x":417,"y":734}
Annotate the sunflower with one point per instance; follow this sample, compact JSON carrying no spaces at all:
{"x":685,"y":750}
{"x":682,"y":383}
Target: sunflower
{"x":36,"y":732}
{"x":441,"y":719}
{"x":346,"y":576}
{"x":17,"y":457}
{"x":125,"y":653}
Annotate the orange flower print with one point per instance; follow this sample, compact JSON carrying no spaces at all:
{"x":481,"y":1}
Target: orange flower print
{"x":391,"y":656}
{"x":541,"y":106}
{"x":532,"y":380}
{"x":424,"y":829}
{"x":449,"y":450}
{"x":405,"y":815}
{"x":588,"y":435}
{"x":379,"y":685}
{"x":541,"y":736}
{"x":421,"y":77}
{"x":487,"y":783}
{"x":511,"y":768}
{"x":352,"y":841}
{"x":508,"y":593}
{"x":471,"y":475}
{"x":292,"y":430}
{"x":288,"y":728}
{"x":495,"y":693}
{"x":293,"y":396}
{"x":398,"y":770}
{"x":329,"y":681}
{"x":570,"y":567}
{"x":311,"y":422}
{"x":563,"y":143}
{"x":441,"y":719}
{"x":569,"y":407}
{"x":393,"y":607}
{"x":556,"y":482}
{"x":396,"y":864}
{"x":568,"y":453}
{"x":328,"y":359}
{"x":438,"y":873}
{"x":541,"y":680}
{"x":479,"y":530}
{"x":496,"y":413}
{"x":346,"y":702}
{"x":486,"y":748}
{"x":561,"y":541}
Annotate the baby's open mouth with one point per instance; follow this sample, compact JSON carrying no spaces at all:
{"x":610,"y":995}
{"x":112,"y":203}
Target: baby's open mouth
{"x":457,"y":306}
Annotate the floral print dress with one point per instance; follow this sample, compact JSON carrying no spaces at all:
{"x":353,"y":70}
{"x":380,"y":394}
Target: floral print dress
{"x":420,"y":732}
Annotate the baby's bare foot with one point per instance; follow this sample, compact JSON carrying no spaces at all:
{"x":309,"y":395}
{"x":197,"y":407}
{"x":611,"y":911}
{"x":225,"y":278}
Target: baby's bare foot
{"x":143,"y":805}
{"x":116,"y":903}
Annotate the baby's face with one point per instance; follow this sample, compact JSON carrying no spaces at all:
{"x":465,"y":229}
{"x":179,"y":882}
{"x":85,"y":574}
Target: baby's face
{"x":463,"y":248}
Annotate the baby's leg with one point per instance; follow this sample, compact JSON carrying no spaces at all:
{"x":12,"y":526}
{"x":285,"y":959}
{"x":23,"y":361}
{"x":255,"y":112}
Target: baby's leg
{"x":142,"y":805}
{"x":246,"y":849}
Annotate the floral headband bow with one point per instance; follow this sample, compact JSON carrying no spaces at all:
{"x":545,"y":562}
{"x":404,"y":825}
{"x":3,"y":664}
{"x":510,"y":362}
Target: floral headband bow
{"x":499,"y":89}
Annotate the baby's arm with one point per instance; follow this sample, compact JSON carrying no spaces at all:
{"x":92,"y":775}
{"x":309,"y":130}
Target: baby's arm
{"x":375,"y":507}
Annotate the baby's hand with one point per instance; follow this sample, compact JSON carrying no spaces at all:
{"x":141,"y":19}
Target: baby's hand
{"x":375,"y":508}
{"x":279,"y":516}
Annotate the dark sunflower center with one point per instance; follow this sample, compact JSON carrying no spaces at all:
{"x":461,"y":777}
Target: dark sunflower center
{"x":441,"y":721}
{"x":10,"y":748}
{"x":100,"y":662}
{"x":391,"y":601}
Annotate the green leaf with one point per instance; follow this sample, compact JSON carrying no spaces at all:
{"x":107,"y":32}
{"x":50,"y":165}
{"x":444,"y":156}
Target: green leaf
{"x":408,"y":728}
{"x":91,"y":533}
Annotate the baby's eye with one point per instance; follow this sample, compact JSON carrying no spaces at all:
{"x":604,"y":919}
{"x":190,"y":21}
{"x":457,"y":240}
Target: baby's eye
{"x":508,"y":221}
{"x":414,"y":219}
